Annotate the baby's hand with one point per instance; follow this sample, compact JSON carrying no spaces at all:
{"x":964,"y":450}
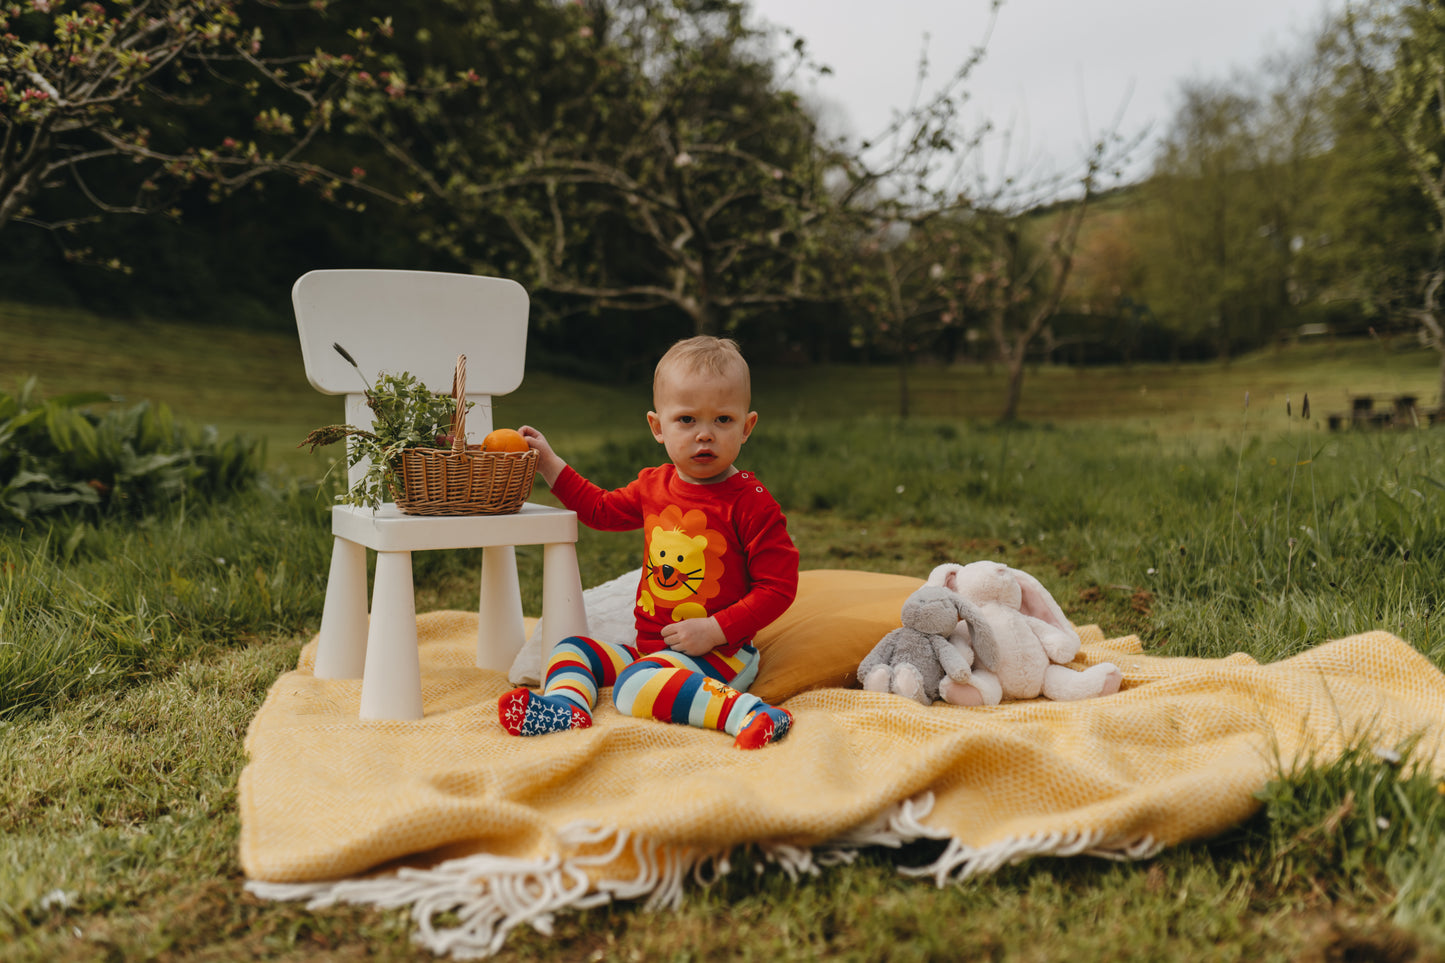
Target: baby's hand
{"x":535,"y":439}
{"x":548,"y":462}
{"x":694,"y":637}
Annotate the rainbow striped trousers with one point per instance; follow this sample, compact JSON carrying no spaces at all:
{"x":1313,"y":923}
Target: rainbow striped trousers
{"x":709,"y":692}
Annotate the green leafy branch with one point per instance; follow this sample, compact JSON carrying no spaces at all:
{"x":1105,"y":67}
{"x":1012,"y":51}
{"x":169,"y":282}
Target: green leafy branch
{"x":406,"y":414}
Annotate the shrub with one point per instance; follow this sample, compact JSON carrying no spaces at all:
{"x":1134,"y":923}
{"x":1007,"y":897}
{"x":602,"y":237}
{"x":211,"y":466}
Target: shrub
{"x":60,"y":456}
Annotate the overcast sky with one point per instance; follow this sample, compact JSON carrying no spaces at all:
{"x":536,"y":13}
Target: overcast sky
{"x":1054,"y":70}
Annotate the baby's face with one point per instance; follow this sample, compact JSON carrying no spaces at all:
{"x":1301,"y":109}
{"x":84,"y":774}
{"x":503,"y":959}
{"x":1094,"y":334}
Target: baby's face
{"x":702,"y":420}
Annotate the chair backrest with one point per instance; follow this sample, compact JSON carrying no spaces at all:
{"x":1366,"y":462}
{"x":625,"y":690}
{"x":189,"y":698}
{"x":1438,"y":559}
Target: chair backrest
{"x":415,"y":321}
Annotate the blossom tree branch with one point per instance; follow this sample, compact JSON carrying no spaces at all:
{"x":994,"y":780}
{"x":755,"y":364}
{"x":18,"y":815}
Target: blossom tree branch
{"x":82,"y":86}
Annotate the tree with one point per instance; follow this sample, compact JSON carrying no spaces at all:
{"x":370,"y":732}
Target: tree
{"x":1107,"y":266}
{"x":942,"y":243}
{"x":1373,"y":240}
{"x":1023,"y":281}
{"x":92,"y":97}
{"x":904,"y":239}
{"x":927,"y":274}
{"x":907,"y":289}
{"x":1233,"y":215}
{"x":649,"y":156}
{"x":1208,"y":231}
{"x":636,"y":155}
{"x":1106,"y":285}
{"x":924,"y":276}
{"x":1399,"y":59}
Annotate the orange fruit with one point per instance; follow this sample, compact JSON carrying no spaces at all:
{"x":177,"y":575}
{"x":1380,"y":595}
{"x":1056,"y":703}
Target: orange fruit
{"x":504,"y":439}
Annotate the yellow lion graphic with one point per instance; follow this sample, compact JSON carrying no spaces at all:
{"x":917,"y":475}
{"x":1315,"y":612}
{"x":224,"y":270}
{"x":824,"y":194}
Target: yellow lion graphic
{"x":683,"y":566}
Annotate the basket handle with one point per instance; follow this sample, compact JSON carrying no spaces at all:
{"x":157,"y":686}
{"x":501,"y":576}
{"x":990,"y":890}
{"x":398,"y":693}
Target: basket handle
{"x":459,"y":417}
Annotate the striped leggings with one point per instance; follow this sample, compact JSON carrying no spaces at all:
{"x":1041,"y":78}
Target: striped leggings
{"x":709,"y":692}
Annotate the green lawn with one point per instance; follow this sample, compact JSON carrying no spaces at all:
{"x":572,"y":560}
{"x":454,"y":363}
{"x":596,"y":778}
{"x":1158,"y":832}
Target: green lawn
{"x":1149,"y":501}
{"x":245,"y":381}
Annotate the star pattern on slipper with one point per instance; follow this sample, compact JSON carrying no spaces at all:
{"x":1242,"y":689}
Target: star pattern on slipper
{"x":525,"y":713}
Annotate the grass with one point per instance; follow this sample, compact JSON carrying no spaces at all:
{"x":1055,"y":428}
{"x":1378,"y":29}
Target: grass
{"x":133,"y":656}
{"x":253,"y":382}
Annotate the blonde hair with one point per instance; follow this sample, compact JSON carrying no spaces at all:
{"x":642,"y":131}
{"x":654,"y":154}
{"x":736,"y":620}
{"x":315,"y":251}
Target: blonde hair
{"x":708,"y":355}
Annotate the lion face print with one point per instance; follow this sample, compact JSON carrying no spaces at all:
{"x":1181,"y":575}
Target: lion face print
{"x":676,"y":564}
{"x":683,"y":566}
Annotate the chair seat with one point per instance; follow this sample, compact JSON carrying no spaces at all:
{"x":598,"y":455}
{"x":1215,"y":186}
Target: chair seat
{"x":388,"y":529}
{"x":381,"y":648}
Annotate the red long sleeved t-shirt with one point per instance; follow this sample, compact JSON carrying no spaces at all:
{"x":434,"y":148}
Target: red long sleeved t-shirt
{"x":720,"y":549}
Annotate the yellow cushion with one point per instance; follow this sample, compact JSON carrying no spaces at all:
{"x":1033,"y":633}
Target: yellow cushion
{"x":834,"y":622}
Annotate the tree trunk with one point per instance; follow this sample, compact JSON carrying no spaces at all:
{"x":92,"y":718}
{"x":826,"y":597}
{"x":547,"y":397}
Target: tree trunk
{"x":1430,"y":320}
{"x":703,"y":316}
{"x":1440,"y":388}
{"x":1015,"y":388}
{"x":903,"y":396}
{"x":899,"y":320}
{"x":16,"y":188}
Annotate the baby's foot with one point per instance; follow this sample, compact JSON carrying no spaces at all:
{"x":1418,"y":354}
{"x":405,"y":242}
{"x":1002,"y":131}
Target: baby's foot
{"x":523,"y":712}
{"x":764,"y":726}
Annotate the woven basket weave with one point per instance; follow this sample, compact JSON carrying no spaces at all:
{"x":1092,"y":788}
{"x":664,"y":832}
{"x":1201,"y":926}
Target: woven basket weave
{"x":464,"y":480}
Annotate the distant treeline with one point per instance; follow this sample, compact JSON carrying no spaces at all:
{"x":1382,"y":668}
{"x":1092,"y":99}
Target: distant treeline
{"x":648,"y":171}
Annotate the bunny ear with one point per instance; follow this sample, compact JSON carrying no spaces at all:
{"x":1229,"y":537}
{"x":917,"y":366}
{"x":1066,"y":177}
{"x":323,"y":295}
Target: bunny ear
{"x":1037,"y":602}
{"x":945,"y":575}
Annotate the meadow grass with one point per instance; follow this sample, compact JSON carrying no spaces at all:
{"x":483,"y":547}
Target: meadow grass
{"x":254,"y":382}
{"x":132,"y":656}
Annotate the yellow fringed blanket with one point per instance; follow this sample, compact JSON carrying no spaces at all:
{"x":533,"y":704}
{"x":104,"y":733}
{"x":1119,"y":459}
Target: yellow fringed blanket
{"x":451,"y":815}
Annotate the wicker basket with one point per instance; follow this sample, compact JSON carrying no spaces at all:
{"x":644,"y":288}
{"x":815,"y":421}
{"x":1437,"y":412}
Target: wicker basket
{"x":464,"y":480}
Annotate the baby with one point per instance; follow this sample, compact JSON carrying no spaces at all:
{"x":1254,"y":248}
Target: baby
{"x":718,"y":566}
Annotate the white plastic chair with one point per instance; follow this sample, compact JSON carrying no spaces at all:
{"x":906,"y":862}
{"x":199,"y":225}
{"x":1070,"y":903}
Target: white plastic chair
{"x":419,"y":321}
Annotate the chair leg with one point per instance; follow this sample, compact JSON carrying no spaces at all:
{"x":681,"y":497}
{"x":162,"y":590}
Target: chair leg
{"x":391,"y":687}
{"x":341,"y":649}
{"x":500,"y":632}
{"x":562,"y":612}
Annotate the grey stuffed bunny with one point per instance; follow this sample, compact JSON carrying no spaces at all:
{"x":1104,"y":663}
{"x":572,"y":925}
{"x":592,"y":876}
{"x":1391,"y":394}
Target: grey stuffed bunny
{"x":913,"y":659}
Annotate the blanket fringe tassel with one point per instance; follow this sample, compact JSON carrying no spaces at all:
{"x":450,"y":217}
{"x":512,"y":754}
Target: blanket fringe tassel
{"x":482,"y":898}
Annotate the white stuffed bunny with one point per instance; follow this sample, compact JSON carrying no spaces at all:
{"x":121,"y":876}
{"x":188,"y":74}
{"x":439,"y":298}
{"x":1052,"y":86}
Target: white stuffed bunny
{"x":1031,"y":645}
